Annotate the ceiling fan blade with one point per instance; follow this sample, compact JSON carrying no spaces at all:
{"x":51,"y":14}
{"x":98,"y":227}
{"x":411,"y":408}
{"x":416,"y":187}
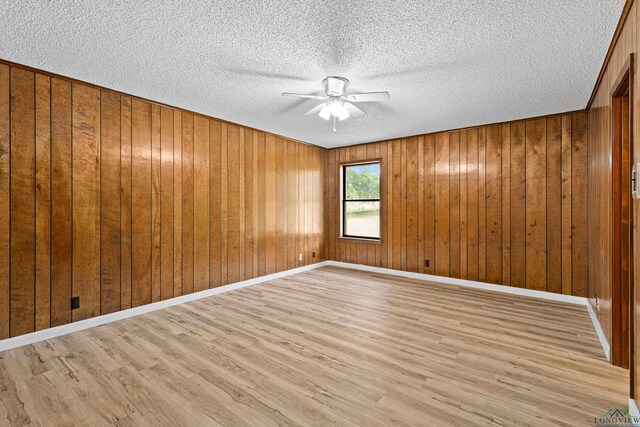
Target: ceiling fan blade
{"x":368,"y":97}
{"x":300,"y":95}
{"x":315,"y":109}
{"x":354,"y":110}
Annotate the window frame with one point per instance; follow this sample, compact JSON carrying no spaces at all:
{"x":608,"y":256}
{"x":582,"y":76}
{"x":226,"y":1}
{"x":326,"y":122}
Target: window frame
{"x":344,"y":200}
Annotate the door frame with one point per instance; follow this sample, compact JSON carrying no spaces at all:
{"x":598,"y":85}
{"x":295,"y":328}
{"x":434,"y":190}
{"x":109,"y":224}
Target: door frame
{"x":622,"y":285}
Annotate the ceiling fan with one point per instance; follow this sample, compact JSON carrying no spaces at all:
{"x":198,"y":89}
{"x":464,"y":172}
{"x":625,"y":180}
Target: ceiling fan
{"x":337,"y":103}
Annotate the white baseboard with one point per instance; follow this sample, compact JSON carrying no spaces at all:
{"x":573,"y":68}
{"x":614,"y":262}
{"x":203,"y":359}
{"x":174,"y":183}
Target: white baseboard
{"x":487,"y":286}
{"x":634,"y":412}
{"x":598,"y":327}
{"x":466,"y":283}
{"x":57,"y":331}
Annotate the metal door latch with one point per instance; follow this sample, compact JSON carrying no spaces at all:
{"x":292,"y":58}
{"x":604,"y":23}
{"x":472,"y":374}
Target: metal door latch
{"x":635,"y":194}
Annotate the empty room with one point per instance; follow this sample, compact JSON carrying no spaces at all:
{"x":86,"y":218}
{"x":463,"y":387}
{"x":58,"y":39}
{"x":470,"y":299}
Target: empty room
{"x":352,"y":213}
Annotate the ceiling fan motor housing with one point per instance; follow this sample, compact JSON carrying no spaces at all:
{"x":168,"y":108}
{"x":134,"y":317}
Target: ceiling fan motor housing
{"x":335,"y":86}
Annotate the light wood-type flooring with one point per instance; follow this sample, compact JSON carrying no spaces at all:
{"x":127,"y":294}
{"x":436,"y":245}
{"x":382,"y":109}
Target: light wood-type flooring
{"x":327,"y":347}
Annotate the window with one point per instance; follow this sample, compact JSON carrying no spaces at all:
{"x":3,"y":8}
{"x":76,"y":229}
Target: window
{"x":361,"y":200}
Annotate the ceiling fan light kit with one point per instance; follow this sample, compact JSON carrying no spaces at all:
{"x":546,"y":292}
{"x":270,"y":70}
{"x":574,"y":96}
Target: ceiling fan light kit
{"x":334,"y":108}
{"x":337,"y":104}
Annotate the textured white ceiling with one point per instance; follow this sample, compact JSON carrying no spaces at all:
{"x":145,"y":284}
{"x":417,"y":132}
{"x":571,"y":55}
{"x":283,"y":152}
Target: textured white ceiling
{"x":446,"y":63}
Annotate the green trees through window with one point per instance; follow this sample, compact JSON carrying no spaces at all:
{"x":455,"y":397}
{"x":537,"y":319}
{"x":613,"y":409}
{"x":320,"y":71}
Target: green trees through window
{"x":363,"y":181}
{"x":361,"y":201}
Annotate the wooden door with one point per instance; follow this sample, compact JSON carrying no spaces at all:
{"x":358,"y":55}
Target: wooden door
{"x":622,"y":221}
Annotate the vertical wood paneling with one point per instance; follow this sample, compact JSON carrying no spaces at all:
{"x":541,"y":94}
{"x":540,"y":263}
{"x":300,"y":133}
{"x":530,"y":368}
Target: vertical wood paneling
{"x":554,"y":204}
{"x":579,"y":202}
{"x":280,"y":187}
{"x":233,"y":204}
{"x":518,"y":202}
{"x":22,"y":153}
{"x":300,"y":241}
{"x":320,"y":156}
{"x":387,"y":208}
{"x":493,"y":199}
{"x":166,"y":203}
{"x":215,"y":256}
{"x":86,"y":200}
{"x":317,"y":183}
{"x":278,"y":200}
{"x":482,"y":204}
{"x":411,"y":200}
{"x":43,"y":202}
{"x":141,"y":203}
{"x":506,"y":203}
{"x":224,"y":219}
{"x":442,"y":203}
{"x":270,"y":205}
{"x":61,"y":237}
{"x":420,"y":218}
{"x":330,"y":203}
{"x":4,"y":201}
{"x":123,"y":202}
{"x":241,"y":209}
{"x":454,"y":204}
{"x":110,"y":152}
{"x":262,"y":208}
{"x":177,"y":203}
{"x":472,"y":206}
{"x":201,"y":203}
{"x":403,"y":203}
{"x":306,"y":215}
{"x":155,"y":203}
{"x":307,"y":209}
{"x":292,"y":208}
{"x":256,"y":191}
{"x":429,"y":204}
{"x":249,"y":206}
{"x":343,"y":245}
{"x":587,"y":221}
{"x":536,"y":205}
{"x":270,"y":198}
{"x":463,"y":205}
{"x":566,"y":206}
{"x":396,"y":255}
{"x":487,"y":202}
{"x":187,"y":203}
{"x":316,"y":201}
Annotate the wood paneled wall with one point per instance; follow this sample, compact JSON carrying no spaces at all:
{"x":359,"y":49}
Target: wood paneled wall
{"x":504,"y":204}
{"x":124,"y":202}
{"x":601,"y":184}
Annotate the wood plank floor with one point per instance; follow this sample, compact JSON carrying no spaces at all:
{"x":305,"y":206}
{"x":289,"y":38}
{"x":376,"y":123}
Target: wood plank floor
{"x":326,"y":347}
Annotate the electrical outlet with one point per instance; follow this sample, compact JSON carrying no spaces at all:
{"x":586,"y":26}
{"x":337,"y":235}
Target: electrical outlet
{"x":299,"y":257}
{"x":75,"y":303}
{"x":313,"y":254}
{"x":426,"y":263}
{"x":597,"y":303}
